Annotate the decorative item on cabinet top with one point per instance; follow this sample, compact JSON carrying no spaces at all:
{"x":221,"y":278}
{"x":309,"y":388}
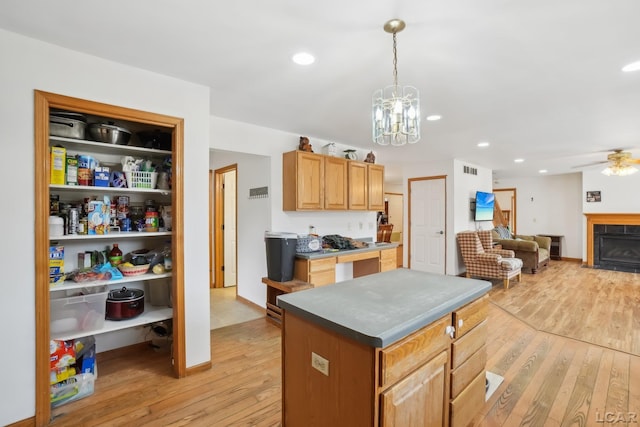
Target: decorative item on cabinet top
{"x":304,"y":144}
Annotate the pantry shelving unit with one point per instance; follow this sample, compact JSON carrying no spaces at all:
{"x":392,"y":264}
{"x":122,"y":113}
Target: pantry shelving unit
{"x":136,"y":120}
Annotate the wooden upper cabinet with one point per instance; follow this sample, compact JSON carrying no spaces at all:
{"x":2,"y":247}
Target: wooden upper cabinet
{"x":376,"y":187}
{"x":358,"y":186}
{"x":315,"y":182}
{"x":302,"y":181}
{"x":335,"y":183}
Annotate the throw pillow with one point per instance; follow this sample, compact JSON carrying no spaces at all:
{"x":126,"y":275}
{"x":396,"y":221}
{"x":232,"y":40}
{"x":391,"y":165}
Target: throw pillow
{"x":503,"y":232}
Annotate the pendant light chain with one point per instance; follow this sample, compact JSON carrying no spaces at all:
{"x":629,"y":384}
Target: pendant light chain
{"x":395,"y":62}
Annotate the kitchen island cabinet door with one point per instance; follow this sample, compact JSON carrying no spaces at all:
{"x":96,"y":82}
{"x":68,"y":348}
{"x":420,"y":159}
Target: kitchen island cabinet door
{"x":419,"y":399}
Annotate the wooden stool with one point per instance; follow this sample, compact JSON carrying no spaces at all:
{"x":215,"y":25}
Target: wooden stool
{"x":274,"y":313}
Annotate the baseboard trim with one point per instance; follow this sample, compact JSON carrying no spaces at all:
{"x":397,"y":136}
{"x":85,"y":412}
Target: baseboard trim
{"x":199,"y":368}
{"x":27,"y":422}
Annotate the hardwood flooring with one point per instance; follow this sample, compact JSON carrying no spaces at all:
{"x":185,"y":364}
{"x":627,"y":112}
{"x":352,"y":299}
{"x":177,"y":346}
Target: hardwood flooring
{"x":549,"y":379}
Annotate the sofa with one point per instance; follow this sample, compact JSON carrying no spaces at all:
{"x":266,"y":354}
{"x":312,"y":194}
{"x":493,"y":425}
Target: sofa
{"x":534,"y":251}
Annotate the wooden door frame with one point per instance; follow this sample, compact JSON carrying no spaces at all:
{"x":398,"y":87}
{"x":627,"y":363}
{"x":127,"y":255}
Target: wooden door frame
{"x":514,"y":214}
{"x":43,"y":102}
{"x":426,"y":178}
{"x":217,"y":236}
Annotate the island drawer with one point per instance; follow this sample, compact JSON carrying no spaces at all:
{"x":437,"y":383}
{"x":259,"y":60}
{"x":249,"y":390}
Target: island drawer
{"x":463,"y":348}
{"x":322,"y":278}
{"x":462,"y":376}
{"x":468,"y":316}
{"x":389,"y":254}
{"x":357,"y":256}
{"x":468,"y":403}
{"x":399,"y":359}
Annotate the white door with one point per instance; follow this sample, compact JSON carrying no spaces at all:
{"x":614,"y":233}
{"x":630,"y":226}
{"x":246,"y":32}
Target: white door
{"x":230,"y":244}
{"x":427,"y":233}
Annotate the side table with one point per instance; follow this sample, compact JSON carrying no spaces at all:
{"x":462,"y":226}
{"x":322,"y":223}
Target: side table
{"x":274,"y":313}
{"x":556,"y":246}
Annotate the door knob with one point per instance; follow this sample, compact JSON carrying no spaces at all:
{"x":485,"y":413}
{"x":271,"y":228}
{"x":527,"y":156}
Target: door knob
{"x":441,"y":232}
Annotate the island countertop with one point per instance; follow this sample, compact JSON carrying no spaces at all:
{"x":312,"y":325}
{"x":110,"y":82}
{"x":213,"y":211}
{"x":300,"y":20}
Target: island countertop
{"x":380,"y":309}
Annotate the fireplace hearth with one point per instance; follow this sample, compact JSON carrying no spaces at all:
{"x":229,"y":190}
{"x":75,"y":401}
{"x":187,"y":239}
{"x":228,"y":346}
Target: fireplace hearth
{"x":616,"y":247}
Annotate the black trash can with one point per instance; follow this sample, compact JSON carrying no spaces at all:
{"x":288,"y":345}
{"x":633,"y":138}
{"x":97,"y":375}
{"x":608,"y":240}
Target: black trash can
{"x":281,"y":255}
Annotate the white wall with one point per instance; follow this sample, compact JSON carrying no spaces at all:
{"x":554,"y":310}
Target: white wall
{"x":27,"y":65}
{"x":550,"y":204}
{"x":231,"y":141}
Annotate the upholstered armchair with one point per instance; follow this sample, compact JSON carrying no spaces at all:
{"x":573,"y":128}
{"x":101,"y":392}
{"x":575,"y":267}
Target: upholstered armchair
{"x":534,"y":251}
{"x":481,"y":260}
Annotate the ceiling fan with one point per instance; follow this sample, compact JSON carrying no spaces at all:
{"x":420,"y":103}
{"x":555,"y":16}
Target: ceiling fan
{"x":619,"y":162}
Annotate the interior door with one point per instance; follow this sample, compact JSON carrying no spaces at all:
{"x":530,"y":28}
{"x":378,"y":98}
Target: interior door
{"x":427,"y":226}
{"x":230,"y":240}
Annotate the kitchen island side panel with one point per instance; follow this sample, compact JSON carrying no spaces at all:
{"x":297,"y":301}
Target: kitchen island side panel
{"x":344,"y":395}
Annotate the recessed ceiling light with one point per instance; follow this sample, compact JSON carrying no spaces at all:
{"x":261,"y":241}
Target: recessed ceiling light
{"x":303,"y":58}
{"x":543,"y":171}
{"x":483,"y":144}
{"x":518,"y":160}
{"x":634,"y":66}
{"x":434,"y":117}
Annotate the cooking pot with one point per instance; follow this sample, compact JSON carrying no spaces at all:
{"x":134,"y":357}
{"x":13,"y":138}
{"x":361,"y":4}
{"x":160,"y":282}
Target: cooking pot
{"x":109,"y":133}
{"x":124,"y":303}
{"x":155,"y":139}
{"x":67,"y":125}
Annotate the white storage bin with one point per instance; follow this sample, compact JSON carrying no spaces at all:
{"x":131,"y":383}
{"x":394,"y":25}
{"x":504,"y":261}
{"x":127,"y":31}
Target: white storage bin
{"x":78,"y":313}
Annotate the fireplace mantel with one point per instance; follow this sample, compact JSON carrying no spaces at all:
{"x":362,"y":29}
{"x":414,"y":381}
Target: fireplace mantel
{"x":606,"y":218}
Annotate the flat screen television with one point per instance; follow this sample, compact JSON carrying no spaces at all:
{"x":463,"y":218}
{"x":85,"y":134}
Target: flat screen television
{"x":484,"y":206}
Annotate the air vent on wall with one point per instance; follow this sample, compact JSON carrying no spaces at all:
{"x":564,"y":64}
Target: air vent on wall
{"x":469,"y":170}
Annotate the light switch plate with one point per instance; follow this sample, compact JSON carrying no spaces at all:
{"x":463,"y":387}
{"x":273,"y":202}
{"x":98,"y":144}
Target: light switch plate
{"x":320,"y":363}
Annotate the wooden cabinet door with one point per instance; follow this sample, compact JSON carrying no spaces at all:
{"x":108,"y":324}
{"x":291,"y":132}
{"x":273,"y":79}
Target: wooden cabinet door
{"x":335,"y":183}
{"x":419,"y":399}
{"x":376,"y":187}
{"x":302,"y":181}
{"x":358,"y":186}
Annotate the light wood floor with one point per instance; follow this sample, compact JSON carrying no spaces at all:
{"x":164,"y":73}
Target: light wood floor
{"x":550,"y":380}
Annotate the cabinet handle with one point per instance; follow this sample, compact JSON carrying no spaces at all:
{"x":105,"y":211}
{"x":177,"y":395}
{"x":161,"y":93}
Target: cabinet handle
{"x":460,"y":323}
{"x":450,"y":330}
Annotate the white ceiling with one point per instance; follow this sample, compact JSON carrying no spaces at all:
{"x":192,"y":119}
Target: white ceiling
{"x":540,"y":80}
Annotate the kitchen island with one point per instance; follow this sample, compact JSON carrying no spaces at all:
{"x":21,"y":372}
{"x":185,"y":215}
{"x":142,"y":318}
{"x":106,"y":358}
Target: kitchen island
{"x":401,"y":347}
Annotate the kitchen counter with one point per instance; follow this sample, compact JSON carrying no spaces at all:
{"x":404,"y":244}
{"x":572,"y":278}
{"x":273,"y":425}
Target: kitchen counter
{"x":380,"y":309}
{"x":327,"y":253}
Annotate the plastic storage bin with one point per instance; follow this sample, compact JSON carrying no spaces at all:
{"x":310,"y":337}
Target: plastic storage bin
{"x":281,"y":255}
{"x":78,"y":313}
{"x":74,"y":388}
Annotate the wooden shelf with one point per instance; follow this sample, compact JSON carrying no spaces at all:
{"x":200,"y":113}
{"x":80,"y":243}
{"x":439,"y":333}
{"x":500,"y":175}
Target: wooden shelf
{"x":111,"y":235}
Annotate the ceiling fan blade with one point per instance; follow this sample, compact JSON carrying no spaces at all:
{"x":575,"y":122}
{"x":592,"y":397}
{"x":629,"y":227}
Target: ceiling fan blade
{"x":590,"y":164}
{"x":635,"y":161}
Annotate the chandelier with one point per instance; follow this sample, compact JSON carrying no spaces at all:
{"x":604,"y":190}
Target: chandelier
{"x":396,"y":109}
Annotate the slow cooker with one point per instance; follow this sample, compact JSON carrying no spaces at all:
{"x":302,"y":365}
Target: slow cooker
{"x":124,"y":304}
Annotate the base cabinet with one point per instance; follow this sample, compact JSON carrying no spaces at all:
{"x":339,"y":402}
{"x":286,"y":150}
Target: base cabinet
{"x":417,"y":399}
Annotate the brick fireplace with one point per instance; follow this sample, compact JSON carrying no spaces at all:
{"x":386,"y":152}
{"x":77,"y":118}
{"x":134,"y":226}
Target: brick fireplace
{"x":613,"y":241}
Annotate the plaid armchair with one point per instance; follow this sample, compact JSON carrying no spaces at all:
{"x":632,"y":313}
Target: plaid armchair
{"x":481,"y":260}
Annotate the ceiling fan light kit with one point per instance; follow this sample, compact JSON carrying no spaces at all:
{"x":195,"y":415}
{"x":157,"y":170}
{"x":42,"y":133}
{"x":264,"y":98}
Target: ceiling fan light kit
{"x":396,"y":109}
{"x":620,"y":164}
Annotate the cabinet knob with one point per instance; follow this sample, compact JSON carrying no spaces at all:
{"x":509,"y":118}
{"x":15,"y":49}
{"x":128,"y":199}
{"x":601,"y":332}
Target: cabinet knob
{"x":450,"y":330}
{"x":460,"y":323}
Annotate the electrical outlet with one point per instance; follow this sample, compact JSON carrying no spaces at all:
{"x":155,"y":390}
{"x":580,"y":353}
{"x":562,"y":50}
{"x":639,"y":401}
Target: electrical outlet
{"x":320,"y":363}
{"x":361,"y":225}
